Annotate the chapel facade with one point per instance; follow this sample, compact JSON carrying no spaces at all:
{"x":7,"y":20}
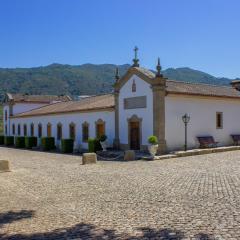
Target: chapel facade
{"x":143,"y":104}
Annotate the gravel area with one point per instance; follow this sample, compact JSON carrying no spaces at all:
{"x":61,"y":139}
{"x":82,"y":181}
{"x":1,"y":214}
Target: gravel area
{"x":53,"y":196}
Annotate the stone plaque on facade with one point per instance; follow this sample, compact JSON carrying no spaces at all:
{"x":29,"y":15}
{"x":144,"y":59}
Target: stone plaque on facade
{"x":135,"y":102}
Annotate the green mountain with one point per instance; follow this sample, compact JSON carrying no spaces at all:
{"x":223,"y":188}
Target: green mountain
{"x":194,"y":76}
{"x":83,"y":79}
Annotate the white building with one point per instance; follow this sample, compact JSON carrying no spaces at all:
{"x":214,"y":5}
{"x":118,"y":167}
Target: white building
{"x":143,"y":104}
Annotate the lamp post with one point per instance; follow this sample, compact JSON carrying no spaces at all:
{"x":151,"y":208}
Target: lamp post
{"x":186,"y":119}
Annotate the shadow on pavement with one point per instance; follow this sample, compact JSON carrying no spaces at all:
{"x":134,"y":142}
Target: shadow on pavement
{"x":89,"y":231}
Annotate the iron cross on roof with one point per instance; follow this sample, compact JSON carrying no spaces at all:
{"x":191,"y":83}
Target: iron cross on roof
{"x":135,"y":60}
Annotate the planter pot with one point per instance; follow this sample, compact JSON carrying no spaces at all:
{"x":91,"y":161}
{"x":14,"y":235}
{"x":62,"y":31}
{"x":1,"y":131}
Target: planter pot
{"x":153,"y":150}
{"x":104,"y":145}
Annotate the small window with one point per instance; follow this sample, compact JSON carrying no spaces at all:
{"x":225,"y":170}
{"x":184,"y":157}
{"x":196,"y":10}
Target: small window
{"x":133,"y":86}
{"x":6,"y":129}
{"x":32,"y":129}
{"x":6,"y":115}
{"x":72,"y":131}
{"x":100,"y":128}
{"x":219,"y":120}
{"x":13,"y":129}
{"x":85,"y":132}
{"x":59,"y":131}
{"x":25,"y":130}
{"x":49,"y":130}
{"x":39,"y":130}
{"x":19,"y":130}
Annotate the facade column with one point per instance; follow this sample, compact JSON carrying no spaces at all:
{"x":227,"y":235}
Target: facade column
{"x":159,"y":93}
{"x":116,"y":142}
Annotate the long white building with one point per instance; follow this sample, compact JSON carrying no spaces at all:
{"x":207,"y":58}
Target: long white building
{"x":143,"y":104}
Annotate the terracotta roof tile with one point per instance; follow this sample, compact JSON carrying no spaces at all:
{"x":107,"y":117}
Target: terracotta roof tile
{"x":178,"y":87}
{"x":86,"y":104}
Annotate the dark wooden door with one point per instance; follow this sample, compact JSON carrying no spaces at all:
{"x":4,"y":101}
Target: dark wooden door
{"x":134,"y":136}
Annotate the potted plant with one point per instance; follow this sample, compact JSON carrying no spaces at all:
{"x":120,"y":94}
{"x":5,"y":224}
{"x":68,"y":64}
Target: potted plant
{"x":153,"y":146}
{"x":103,"y":142}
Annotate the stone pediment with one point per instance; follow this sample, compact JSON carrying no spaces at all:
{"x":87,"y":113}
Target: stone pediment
{"x":143,"y":73}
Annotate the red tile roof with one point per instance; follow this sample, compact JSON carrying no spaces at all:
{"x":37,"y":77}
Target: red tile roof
{"x":95,"y":103}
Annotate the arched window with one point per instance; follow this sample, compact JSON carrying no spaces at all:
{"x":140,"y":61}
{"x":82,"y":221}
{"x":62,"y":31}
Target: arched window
{"x":25,"y":130}
{"x":13,"y":129}
{"x":72,"y":133}
{"x":32,"y":129}
{"x":19,"y":129}
{"x":59,"y":131}
{"x":39,"y":130}
{"x":85,"y":132}
{"x":100,"y":128}
{"x":49,"y":130}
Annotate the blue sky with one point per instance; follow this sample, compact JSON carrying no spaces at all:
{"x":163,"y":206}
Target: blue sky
{"x":203,"y":34}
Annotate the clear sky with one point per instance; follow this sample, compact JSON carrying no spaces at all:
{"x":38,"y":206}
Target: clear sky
{"x":201,"y":34}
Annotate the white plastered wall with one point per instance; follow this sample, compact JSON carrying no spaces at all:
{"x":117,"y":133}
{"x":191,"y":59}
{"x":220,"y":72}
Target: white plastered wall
{"x":203,"y":120}
{"x":65,"y":120}
{"x":142,"y":89}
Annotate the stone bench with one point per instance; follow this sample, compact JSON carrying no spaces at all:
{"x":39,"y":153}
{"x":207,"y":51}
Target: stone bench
{"x":89,"y":158}
{"x":4,"y":166}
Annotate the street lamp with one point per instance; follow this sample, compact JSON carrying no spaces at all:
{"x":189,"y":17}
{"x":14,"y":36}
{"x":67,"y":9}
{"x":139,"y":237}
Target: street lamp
{"x":186,"y":119}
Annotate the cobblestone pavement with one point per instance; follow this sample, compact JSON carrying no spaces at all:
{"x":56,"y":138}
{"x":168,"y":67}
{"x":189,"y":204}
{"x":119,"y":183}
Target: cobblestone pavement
{"x":53,"y":196}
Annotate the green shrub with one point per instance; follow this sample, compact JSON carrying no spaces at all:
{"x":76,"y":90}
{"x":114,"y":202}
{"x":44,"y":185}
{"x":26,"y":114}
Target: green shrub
{"x":103,"y":138}
{"x":48,"y":143}
{"x":1,"y":140}
{"x":30,"y":142}
{"x":67,"y":145}
{"x":20,"y":142}
{"x":94,"y":145}
{"x":9,"y":140}
{"x":91,"y":147}
{"x":152,"y":140}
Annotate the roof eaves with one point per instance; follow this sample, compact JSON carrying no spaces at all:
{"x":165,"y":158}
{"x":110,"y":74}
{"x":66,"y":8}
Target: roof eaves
{"x":25,"y":115}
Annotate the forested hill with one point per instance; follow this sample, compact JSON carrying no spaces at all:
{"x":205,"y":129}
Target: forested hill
{"x":84,"y":79}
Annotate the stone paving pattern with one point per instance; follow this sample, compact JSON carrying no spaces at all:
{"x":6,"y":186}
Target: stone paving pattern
{"x":53,"y":196}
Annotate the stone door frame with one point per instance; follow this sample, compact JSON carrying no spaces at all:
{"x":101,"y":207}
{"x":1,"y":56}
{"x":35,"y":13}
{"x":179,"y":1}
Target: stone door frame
{"x":135,"y":119}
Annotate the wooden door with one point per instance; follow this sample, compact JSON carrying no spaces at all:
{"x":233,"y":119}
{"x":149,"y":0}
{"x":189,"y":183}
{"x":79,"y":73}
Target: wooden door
{"x":49,"y":130}
{"x":134,"y":136}
{"x":100,"y":130}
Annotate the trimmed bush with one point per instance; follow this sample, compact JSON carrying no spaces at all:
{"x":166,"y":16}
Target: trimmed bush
{"x":9,"y":140}
{"x":153,"y":140}
{"x":67,"y":145}
{"x":1,"y":140}
{"x":48,"y":143}
{"x":94,"y":145}
{"x":20,"y":142}
{"x":91,"y":147}
{"x":30,"y":142}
